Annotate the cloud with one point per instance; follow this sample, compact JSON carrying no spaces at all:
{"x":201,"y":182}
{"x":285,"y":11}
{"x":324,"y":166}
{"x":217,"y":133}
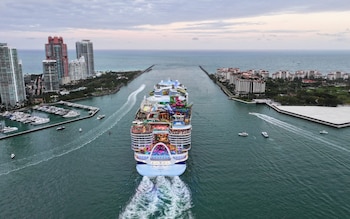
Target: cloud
{"x":144,"y":23}
{"x":127,"y":14}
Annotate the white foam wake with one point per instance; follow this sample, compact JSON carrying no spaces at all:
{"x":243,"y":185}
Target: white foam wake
{"x":300,"y":132}
{"x":78,"y":143}
{"x":159,"y":197}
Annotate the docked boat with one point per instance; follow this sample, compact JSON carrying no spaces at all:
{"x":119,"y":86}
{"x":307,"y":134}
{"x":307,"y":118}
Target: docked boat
{"x":323,"y":132}
{"x":7,"y":129}
{"x":71,"y":114}
{"x":265,"y":134}
{"x":161,"y":131}
{"x":243,"y":134}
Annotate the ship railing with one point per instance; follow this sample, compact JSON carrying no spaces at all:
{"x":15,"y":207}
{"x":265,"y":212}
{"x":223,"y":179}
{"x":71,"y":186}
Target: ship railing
{"x":142,"y":157}
{"x":141,"y":129}
{"x":179,"y":157}
{"x":160,"y":157}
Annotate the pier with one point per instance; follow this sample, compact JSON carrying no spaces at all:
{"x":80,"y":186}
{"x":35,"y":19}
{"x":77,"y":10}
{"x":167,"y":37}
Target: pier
{"x":92,"y":113}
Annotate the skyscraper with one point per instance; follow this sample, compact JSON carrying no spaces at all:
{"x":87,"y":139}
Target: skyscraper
{"x":77,"y":69}
{"x":51,"y":81}
{"x":85,"y":48}
{"x":57,"y":50}
{"x":12,"y":90}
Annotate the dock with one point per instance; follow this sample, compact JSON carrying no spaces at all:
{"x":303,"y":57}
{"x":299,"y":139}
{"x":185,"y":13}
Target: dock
{"x":92,"y":113}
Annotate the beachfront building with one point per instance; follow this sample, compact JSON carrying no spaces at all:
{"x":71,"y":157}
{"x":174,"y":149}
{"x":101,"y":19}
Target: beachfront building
{"x":249,"y":86}
{"x":56,"y":49}
{"x":77,"y":69}
{"x":283,"y":75}
{"x":337,"y":75}
{"x":85,"y":48}
{"x":12,"y":89}
{"x":51,"y":76}
{"x":248,"y":82}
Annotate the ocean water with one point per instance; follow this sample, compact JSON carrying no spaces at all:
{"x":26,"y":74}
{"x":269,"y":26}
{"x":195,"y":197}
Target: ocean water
{"x":296,"y":173}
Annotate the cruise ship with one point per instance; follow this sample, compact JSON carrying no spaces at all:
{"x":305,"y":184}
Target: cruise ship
{"x":161,"y":131}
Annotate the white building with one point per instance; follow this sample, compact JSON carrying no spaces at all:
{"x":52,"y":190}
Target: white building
{"x":12,"y":90}
{"x":77,"y":69}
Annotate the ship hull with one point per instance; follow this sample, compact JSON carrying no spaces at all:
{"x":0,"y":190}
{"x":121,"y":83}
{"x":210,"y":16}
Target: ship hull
{"x":160,"y":170}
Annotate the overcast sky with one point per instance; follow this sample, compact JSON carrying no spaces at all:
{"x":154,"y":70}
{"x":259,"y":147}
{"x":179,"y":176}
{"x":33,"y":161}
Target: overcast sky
{"x":178,"y":24}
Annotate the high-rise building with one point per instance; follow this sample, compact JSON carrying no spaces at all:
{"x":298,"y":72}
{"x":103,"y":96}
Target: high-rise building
{"x":57,"y":50}
{"x":85,"y":48}
{"x":51,"y":79}
{"x":12,"y":89}
{"x":77,"y":69}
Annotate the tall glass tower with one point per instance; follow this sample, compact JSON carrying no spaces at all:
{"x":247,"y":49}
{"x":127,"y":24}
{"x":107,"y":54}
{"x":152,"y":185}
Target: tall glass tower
{"x":57,"y":50}
{"x":12,"y":90}
{"x":85,"y":48}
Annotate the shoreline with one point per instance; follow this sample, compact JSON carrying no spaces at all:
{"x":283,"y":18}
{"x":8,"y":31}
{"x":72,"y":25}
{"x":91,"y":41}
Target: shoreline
{"x":336,"y":117}
{"x":72,"y":100}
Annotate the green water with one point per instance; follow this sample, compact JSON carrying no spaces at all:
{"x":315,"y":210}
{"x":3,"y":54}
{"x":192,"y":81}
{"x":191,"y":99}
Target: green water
{"x":296,"y":173}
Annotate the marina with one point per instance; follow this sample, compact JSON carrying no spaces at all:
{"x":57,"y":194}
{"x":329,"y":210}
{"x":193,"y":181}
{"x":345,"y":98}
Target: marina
{"x":41,"y":123}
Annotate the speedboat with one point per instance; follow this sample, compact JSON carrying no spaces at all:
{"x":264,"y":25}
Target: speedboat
{"x":100,"y":116}
{"x":60,"y":128}
{"x":243,"y":134}
{"x":323,"y":132}
{"x":265,"y":134}
{"x":13,"y":156}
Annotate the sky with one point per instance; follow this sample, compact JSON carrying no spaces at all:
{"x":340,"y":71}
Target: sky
{"x":178,"y":24}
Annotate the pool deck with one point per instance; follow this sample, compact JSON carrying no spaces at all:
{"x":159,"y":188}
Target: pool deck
{"x":337,"y":117}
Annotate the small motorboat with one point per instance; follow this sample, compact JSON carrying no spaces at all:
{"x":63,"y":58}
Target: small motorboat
{"x":265,"y":134}
{"x":243,"y":134}
{"x":60,"y":128}
{"x":13,"y":156}
{"x":100,"y":116}
{"x":323,"y":132}
{"x":80,"y":129}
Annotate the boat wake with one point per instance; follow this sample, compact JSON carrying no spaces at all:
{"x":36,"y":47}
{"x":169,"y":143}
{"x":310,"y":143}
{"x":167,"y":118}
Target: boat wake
{"x":76,"y":144}
{"x":300,"y":132}
{"x":159,"y":197}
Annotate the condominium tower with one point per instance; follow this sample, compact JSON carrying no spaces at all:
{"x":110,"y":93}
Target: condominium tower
{"x":56,"y":49}
{"x":12,"y":89}
{"x":85,"y":48}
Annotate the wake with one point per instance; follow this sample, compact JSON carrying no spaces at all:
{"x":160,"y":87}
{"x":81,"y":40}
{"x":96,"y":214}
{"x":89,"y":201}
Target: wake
{"x":159,"y":197}
{"x":76,"y":144}
{"x":299,"y":131}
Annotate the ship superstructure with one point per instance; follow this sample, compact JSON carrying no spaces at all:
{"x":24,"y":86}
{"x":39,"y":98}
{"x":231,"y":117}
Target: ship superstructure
{"x":161,"y":131}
